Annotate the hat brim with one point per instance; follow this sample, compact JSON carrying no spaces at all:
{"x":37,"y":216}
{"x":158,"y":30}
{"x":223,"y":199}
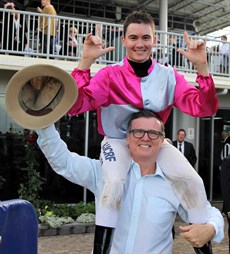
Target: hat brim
{"x":15,"y":84}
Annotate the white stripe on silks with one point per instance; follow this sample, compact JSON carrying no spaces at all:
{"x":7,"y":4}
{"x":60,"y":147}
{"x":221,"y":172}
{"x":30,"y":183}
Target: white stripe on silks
{"x":112,"y":192}
{"x":116,"y":161}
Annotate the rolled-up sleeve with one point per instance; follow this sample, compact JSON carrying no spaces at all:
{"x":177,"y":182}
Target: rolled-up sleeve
{"x":216,"y":219}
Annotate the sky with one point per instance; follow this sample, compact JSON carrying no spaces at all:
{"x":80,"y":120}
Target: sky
{"x":224,"y":31}
{"x":217,"y":34}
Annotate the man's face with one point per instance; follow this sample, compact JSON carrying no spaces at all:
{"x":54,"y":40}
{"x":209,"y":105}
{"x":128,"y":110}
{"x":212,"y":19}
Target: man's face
{"x":44,"y":2}
{"x":138,"y":42}
{"x":144,"y":148}
{"x":181,"y":136}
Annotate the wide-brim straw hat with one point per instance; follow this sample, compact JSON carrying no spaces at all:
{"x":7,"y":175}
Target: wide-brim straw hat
{"x":39,"y":95}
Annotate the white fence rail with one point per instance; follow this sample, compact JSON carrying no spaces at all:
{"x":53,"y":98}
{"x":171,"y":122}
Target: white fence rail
{"x":20,"y":34}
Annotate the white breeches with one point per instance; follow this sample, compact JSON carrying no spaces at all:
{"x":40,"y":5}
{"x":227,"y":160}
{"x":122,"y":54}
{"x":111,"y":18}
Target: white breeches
{"x":116,"y":161}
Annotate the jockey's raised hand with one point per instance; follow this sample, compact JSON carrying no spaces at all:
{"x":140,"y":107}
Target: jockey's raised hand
{"x":93,"y":48}
{"x":196,"y":54}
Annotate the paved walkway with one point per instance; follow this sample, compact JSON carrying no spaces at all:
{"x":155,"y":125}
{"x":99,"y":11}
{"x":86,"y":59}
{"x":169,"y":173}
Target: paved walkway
{"x":82,"y":244}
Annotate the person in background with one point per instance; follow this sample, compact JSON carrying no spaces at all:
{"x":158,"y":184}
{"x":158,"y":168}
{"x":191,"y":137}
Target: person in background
{"x":226,"y":146}
{"x":137,"y":82}
{"x":185,"y":147}
{"x":47,"y":26}
{"x":148,"y":205}
{"x":69,"y":43}
{"x":15,"y":30}
{"x":224,"y":54}
{"x":175,"y":58}
{"x":225,"y":189}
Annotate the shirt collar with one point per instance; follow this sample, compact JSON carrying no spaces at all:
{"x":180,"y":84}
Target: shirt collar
{"x":159,"y":171}
{"x":136,"y":168}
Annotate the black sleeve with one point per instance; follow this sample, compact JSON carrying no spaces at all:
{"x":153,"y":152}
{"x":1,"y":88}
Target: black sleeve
{"x":192,"y":155}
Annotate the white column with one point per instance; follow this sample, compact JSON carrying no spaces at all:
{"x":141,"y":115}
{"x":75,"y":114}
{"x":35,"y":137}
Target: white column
{"x":164,"y":15}
{"x":163,"y":23}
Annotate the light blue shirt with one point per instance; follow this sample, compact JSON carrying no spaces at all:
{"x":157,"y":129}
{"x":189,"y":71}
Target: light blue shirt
{"x":148,"y":207}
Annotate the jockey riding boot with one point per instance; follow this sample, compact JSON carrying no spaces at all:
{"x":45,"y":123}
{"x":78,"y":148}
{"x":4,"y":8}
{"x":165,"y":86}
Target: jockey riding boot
{"x":206,"y":249}
{"x":103,"y":238}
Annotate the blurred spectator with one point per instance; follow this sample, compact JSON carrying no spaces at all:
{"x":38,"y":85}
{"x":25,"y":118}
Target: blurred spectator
{"x":69,"y":43}
{"x":224,"y":51}
{"x":47,"y":27}
{"x":185,"y":147}
{"x":172,"y":50}
{"x":15,"y":30}
{"x":156,"y":50}
{"x":226,"y":146}
{"x":215,"y":58}
{"x":175,"y":58}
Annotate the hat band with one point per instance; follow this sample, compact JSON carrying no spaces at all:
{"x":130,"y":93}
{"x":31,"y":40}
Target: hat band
{"x":40,"y":112}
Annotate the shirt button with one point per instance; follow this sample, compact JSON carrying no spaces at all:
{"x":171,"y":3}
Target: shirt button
{"x":146,"y":102}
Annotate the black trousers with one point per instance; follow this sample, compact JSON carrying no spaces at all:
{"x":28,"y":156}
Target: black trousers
{"x":43,"y":40}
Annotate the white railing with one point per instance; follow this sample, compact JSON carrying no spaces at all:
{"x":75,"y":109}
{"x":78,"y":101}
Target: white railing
{"x":36,"y":44}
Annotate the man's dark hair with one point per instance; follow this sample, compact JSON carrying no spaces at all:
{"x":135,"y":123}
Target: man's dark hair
{"x":224,"y":37}
{"x":146,"y":113}
{"x":138,"y":17}
{"x":181,"y":130}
